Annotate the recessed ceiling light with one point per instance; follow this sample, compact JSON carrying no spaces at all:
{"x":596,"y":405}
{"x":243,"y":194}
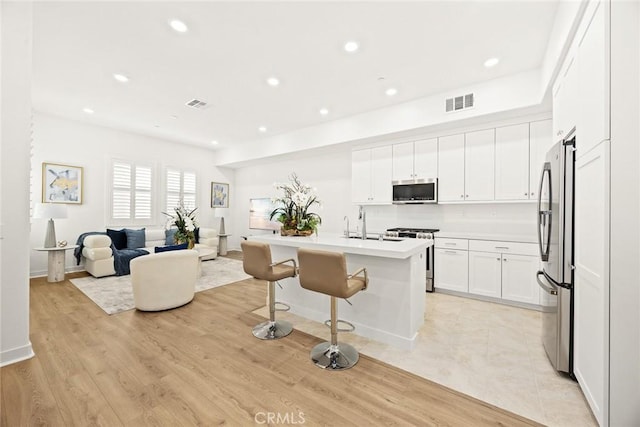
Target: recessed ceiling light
{"x":214,"y":142}
{"x":262,"y":129}
{"x":324,"y":111}
{"x":391,"y":91}
{"x":88,"y":110}
{"x":491,"y":62}
{"x":351,"y":46}
{"x":156,"y":126}
{"x":173,"y":116}
{"x":121,"y":78}
{"x":273,"y":81}
{"x":178,"y":26}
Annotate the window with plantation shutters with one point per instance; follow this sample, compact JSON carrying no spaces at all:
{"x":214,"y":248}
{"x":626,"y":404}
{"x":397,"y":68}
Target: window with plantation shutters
{"x":181,"y":187}
{"x":131,"y":192}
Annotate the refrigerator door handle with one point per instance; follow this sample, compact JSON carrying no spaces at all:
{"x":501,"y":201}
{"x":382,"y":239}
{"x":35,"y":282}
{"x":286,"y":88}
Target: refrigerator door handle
{"x":544,"y":217}
{"x":543,"y":285}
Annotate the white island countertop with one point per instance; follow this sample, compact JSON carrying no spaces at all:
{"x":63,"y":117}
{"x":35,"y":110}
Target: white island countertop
{"x":399,"y":249}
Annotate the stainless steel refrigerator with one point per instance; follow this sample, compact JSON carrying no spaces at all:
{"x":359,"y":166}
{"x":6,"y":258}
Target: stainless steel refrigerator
{"x":555,"y":238}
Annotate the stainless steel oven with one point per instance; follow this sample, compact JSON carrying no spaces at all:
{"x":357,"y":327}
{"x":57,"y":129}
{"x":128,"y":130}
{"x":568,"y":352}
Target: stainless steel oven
{"x":419,"y":233}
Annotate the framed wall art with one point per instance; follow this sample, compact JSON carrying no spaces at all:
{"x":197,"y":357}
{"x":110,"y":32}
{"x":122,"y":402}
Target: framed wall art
{"x":61,"y":183}
{"x":219,"y":195}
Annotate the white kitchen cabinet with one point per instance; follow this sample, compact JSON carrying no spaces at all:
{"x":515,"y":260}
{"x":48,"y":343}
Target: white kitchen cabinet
{"x":451,"y":168}
{"x":479,"y":163}
{"x":591,"y":287}
{"x":426,"y":158}
{"x":519,"y":278}
{"x":371,"y":176}
{"x":512,"y":162}
{"x":565,"y":101}
{"x":451,"y":269}
{"x":485,"y":273}
{"x":540,"y":141}
{"x":415,"y":160}
{"x":403,"y":161}
{"x":593,"y":123}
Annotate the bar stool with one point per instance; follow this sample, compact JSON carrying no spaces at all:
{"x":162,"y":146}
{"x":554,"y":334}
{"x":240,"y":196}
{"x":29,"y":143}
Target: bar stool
{"x":257,"y":262}
{"x":326,"y":272}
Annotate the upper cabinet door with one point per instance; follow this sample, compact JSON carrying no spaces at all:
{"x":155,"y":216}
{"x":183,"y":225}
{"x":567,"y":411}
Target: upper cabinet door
{"x":479,"y":165}
{"x":381,"y":190}
{"x":426,"y":158}
{"x":593,"y":84}
{"x":403,"y":161}
{"x":361,"y":176}
{"x":451,"y":168}
{"x":565,"y":102}
{"x":512,"y":162}
{"x":540,"y":141}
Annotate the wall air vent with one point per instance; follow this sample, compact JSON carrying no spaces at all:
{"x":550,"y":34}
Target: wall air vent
{"x":458,"y":103}
{"x":198,"y":104}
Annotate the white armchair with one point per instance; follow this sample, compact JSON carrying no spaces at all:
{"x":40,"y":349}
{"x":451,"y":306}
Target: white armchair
{"x":98,"y":256}
{"x":164,"y":280}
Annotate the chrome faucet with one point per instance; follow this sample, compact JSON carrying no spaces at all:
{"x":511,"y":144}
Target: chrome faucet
{"x":362,"y":216}
{"x":346,"y":231}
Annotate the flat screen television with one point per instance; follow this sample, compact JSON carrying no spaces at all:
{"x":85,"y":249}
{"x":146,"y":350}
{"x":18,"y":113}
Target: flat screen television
{"x":259,"y":211}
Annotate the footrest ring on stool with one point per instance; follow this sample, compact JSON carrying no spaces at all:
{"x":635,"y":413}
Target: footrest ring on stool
{"x":351,"y":328}
{"x":287,"y":307}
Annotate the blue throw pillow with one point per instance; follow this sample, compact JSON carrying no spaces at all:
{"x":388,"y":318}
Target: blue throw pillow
{"x":169,"y":236}
{"x":135,"y":238}
{"x":118,"y":238}
{"x":171,"y":247}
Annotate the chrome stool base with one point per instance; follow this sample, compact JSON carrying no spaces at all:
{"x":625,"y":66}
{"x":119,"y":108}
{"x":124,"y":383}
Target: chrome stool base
{"x":335,"y":358}
{"x":272,"y":330}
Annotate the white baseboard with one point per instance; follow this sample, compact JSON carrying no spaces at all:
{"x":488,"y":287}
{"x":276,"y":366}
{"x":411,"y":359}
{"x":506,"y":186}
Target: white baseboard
{"x":15,"y":355}
{"x":42,"y":273}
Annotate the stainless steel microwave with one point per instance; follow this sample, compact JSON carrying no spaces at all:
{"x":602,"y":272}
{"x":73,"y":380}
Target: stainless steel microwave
{"x":415,"y":191}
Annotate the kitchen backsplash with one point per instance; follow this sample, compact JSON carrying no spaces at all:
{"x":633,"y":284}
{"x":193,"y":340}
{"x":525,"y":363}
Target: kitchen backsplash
{"x":517,"y":218}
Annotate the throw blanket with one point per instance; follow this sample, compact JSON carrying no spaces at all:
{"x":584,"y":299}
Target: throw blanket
{"x":121,"y":257}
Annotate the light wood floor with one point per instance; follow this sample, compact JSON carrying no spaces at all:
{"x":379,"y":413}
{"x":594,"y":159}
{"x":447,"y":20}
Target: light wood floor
{"x":200,"y":365}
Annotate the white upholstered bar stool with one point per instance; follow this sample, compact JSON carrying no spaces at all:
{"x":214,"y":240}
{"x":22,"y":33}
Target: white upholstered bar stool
{"x":326,"y":272}
{"x":256,"y":260}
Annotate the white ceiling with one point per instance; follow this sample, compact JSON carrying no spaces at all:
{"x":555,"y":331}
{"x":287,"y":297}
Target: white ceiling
{"x":420,"y":48}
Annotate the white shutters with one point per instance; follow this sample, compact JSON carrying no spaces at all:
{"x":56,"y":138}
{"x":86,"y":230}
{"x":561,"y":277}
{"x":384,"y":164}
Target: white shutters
{"x":181,"y":186}
{"x":131,"y":192}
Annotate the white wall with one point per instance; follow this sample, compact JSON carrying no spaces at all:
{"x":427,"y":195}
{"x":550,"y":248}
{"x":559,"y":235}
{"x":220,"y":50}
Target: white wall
{"x":58,"y":140}
{"x":15,"y":81}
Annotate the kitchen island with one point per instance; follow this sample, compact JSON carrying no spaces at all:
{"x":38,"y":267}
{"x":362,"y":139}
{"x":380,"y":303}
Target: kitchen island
{"x":390,"y":310}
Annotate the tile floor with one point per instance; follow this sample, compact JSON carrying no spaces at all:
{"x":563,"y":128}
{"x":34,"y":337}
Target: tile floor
{"x":490,"y":351}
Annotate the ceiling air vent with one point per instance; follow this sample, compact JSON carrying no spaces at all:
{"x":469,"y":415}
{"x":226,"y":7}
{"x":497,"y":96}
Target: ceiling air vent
{"x":196,"y":103}
{"x":459,"y":103}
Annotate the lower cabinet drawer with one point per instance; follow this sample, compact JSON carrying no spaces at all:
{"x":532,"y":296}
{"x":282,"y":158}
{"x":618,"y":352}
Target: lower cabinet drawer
{"x":504,"y":247}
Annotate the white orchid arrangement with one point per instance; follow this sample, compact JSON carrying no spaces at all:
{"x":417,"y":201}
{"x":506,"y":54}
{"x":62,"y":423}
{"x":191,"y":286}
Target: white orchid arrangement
{"x":185,"y":221}
{"x":295,"y":203}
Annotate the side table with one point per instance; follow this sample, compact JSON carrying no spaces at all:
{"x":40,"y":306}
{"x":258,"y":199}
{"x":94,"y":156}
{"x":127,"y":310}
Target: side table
{"x":223,"y":243}
{"x":56,"y":264}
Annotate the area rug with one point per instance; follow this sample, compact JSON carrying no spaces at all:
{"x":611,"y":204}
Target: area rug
{"x":114,"y":294}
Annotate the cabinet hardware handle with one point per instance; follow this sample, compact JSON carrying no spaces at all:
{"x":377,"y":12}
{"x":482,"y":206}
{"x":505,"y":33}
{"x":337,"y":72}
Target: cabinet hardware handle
{"x":526,"y":194}
{"x":450,"y":244}
{"x":451,"y":252}
{"x":467,"y":195}
{"x":462,"y":196}
{"x":502,"y":247}
{"x":498,"y":259}
{"x":504,"y":259}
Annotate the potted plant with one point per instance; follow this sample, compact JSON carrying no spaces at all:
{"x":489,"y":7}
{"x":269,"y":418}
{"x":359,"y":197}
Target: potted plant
{"x":185,"y":222}
{"x":293,"y":211}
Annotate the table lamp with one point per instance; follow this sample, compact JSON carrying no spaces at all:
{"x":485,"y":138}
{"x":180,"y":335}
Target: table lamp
{"x":49,"y":210}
